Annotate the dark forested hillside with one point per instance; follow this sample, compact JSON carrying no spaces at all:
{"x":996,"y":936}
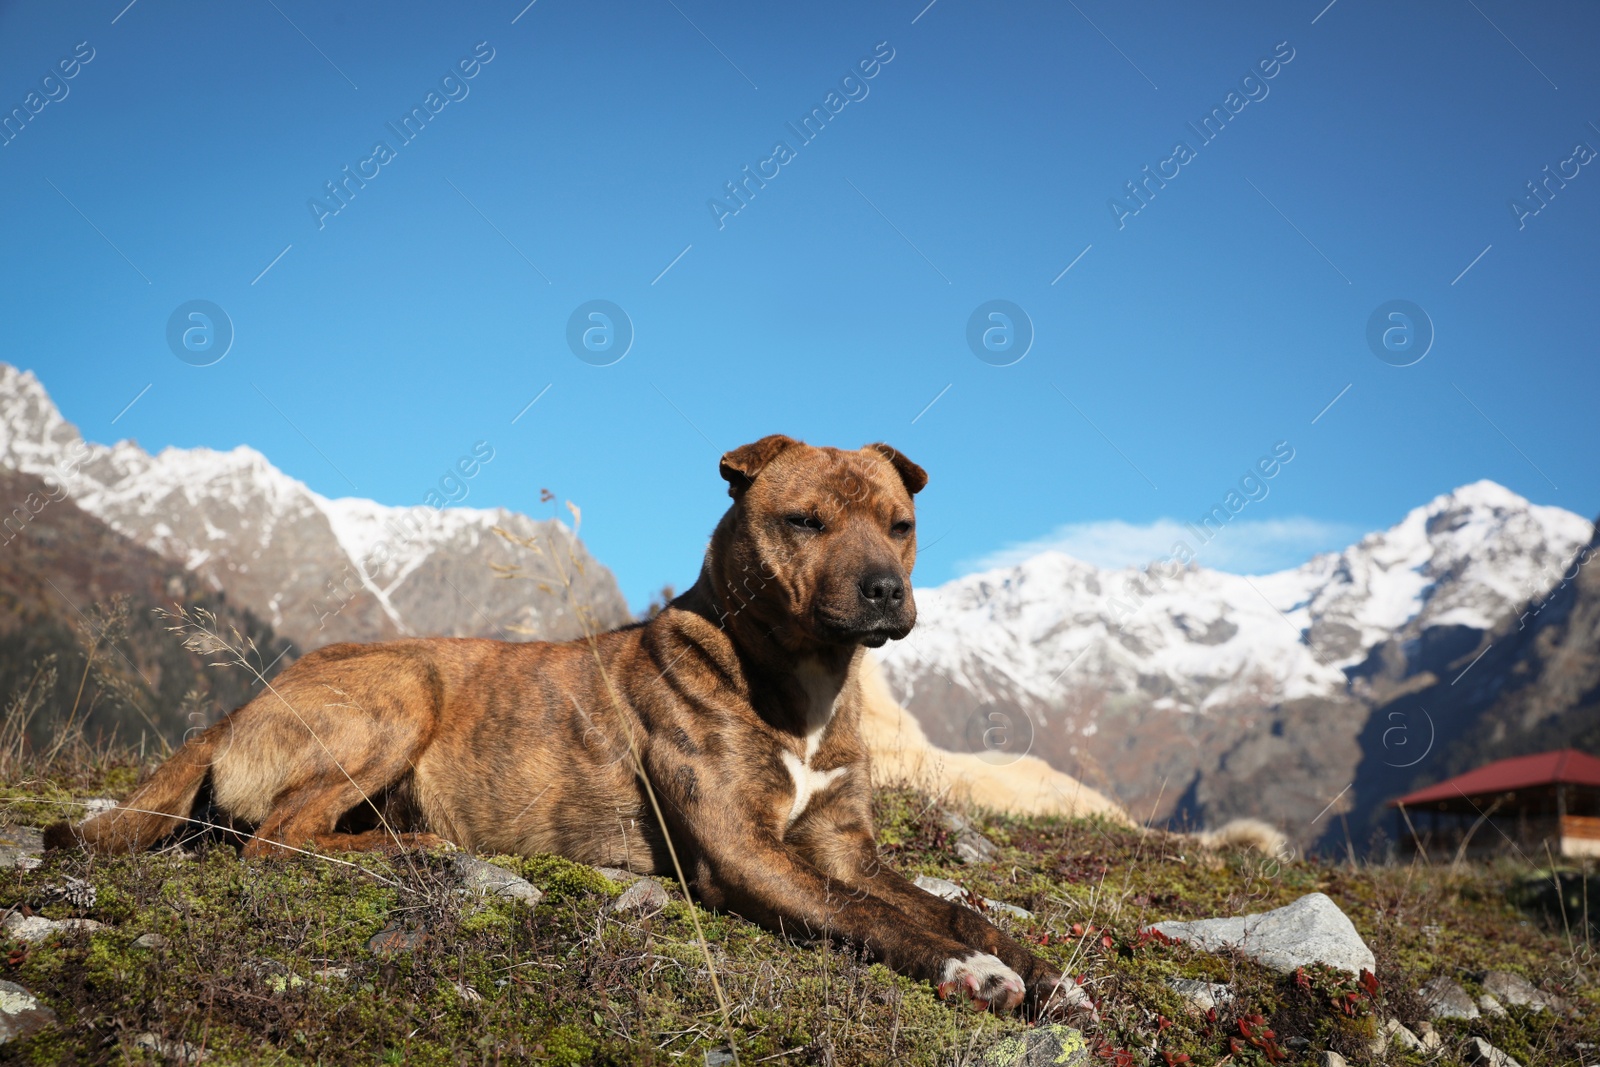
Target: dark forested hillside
{"x":80,"y":637}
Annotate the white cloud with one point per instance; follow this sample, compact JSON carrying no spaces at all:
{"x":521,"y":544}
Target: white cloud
{"x":1244,"y":546}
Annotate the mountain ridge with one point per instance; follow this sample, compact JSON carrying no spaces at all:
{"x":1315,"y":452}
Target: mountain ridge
{"x":317,"y":569}
{"x":1149,"y":685}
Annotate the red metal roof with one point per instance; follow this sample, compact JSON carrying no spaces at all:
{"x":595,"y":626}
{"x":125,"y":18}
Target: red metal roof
{"x":1567,"y":765}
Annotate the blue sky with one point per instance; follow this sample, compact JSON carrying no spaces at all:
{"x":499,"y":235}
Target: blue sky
{"x":375,"y":345}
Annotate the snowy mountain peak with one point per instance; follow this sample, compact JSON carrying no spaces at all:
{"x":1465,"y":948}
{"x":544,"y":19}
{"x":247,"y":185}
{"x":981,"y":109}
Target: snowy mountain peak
{"x":32,"y":431}
{"x":1200,"y":637}
{"x":317,"y":569}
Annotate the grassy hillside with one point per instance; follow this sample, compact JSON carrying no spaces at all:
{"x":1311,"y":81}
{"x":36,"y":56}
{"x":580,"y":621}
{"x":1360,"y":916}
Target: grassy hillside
{"x":361,"y":959}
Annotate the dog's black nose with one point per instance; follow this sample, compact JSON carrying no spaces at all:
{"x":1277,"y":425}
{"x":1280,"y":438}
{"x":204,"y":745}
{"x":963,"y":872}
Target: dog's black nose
{"x":883,"y":588}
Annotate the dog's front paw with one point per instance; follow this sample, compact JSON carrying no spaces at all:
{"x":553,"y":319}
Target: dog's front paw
{"x":985,"y":979}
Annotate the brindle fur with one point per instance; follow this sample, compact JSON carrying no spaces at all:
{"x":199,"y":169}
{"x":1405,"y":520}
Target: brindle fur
{"x":738,"y":697}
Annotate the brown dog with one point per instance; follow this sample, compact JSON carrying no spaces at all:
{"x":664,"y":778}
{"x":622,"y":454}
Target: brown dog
{"x":737,"y":707}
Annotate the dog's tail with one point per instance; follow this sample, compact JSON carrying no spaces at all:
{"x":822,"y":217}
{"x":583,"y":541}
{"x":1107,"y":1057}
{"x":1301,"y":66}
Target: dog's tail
{"x":154,"y":810}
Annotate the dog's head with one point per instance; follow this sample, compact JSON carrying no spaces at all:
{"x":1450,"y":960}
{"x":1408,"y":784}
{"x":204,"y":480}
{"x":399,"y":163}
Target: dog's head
{"x":821,"y":541}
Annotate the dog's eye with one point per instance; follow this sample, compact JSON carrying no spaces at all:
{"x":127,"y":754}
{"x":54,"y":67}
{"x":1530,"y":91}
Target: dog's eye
{"x":805,"y":522}
{"x":900,"y":529}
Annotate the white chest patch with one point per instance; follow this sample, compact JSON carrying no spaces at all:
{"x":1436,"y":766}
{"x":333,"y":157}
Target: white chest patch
{"x":807,"y":783}
{"x":822,"y":689}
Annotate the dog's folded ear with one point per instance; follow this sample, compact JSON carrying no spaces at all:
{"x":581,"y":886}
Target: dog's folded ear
{"x":914,"y":476}
{"x":741,"y":466}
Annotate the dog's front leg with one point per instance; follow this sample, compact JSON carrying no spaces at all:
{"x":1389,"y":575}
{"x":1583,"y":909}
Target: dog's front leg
{"x":741,"y":864}
{"x":836,"y":839}
{"x":768,"y":883}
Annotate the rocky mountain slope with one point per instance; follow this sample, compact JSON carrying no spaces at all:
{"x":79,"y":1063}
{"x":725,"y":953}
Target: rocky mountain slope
{"x":1205,"y":696}
{"x":318,"y":570}
{"x":1531,"y":683}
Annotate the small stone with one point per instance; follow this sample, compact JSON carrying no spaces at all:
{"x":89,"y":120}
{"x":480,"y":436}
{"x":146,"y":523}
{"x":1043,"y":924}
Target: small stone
{"x":1391,"y":1032}
{"x":643,"y":897}
{"x":1203,"y":995}
{"x":96,"y":806}
{"x":31,"y":928}
{"x":1517,"y":991}
{"x":329,"y":975}
{"x":1333,"y":1059}
{"x":20,"y":847}
{"x":1491,"y":1006}
{"x":940,"y":887}
{"x":970,"y":845}
{"x":1480,"y":1051}
{"x":719,"y":1057}
{"x":1431,"y":1040}
{"x":485,"y":879}
{"x":617,"y":874}
{"x":394,"y":939}
{"x":945,"y":889}
{"x":1310,"y":930}
{"x":1069,"y":999}
{"x":21,"y":1013}
{"x":171,"y":1049}
{"x":27,"y":928}
{"x":1047,"y":1044}
{"x":151,"y":941}
{"x":1446,"y":999}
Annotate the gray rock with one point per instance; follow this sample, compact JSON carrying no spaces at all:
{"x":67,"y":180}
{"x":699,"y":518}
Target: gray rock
{"x":1203,"y":995}
{"x":970,"y":845}
{"x":1046,"y":1045}
{"x":1480,"y":1051}
{"x":1517,"y":991}
{"x":1333,"y":1059}
{"x":33,"y":928}
{"x":20,"y":847}
{"x":1431,"y":1041}
{"x":1490,"y":1006}
{"x":1390,"y":1033}
{"x":948,"y":890}
{"x":718,"y":1057}
{"x":96,"y":806}
{"x":171,"y":1049}
{"x":21,"y":1013}
{"x":643,"y":897}
{"x":1445,"y":999}
{"x":618,"y":875}
{"x":485,"y":879}
{"x":1310,"y":930}
{"x":154,"y":942}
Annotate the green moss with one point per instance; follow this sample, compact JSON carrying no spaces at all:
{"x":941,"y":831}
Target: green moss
{"x":561,"y":879}
{"x":568,"y":982}
{"x":38,"y":803}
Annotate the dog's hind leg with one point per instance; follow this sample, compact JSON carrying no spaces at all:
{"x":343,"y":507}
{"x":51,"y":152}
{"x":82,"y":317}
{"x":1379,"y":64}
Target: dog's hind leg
{"x":305,"y":820}
{"x":306,"y":811}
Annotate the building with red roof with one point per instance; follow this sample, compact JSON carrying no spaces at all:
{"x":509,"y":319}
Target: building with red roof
{"x":1523,"y":805}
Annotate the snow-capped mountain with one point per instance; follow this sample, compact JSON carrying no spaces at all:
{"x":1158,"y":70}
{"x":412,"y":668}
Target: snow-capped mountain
{"x":1147,"y":682}
{"x":319,"y":570}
